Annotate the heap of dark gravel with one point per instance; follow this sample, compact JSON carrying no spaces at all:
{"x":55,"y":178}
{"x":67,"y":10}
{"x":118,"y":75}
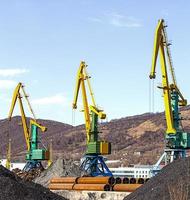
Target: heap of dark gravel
{"x":172,"y":183}
{"x":14,"y":188}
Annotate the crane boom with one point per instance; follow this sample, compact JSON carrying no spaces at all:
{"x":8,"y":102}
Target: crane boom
{"x":17,"y":95}
{"x":80,"y":83}
{"x":14,"y":99}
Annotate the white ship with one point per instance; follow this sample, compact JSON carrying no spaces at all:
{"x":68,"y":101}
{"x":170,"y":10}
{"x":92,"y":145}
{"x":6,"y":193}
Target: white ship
{"x":137,"y":171}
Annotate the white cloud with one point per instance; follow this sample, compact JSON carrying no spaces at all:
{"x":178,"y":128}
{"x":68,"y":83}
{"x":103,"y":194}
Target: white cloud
{"x":56,"y":99}
{"x":12,"y":72}
{"x":124,"y":21}
{"x":117,"y":20}
{"x":7,"y":84}
{"x":94,"y":19}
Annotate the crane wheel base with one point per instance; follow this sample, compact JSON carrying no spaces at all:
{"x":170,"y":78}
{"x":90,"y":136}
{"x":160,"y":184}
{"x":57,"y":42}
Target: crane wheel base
{"x":174,"y":154}
{"x":30,"y":165}
{"x":94,"y":165}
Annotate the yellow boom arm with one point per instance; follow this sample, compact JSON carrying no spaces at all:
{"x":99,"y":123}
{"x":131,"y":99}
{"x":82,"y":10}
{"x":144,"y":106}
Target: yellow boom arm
{"x":17,"y":95}
{"x":80,"y":82}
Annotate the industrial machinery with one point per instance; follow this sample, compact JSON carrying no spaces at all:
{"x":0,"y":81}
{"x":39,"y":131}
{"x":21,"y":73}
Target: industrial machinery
{"x":92,"y":164}
{"x":34,"y":154}
{"x":50,"y":148}
{"x":177,"y":141}
{"x":8,"y":156}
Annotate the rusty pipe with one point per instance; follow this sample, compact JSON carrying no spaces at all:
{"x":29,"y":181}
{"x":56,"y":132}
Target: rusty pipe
{"x":125,"y":180}
{"x":92,"y":187}
{"x":126,"y":187}
{"x":140,"y":180}
{"x":96,"y":180}
{"x":118,"y":180}
{"x":61,"y":186}
{"x":64,"y":180}
{"x":132,"y":181}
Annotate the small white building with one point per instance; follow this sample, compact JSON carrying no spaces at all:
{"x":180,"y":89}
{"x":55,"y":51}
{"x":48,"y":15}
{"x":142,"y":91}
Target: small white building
{"x":13,"y":165}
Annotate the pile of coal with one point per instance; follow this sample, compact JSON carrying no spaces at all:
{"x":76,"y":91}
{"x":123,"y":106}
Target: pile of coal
{"x":13,"y":187}
{"x":172,"y":183}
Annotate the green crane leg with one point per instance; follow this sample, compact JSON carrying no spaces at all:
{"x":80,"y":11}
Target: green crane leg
{"x":180,"y":140}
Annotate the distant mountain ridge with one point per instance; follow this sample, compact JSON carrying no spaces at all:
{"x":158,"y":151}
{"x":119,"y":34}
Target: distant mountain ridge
{"x":135,"y":140}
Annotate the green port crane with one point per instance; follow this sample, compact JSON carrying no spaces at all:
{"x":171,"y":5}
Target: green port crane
{"x":34,"y":154}
{"x":93,"y":162}
{"x":177,"y":141}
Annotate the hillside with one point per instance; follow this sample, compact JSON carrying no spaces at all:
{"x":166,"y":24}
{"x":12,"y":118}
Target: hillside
{"x":136,"y":139}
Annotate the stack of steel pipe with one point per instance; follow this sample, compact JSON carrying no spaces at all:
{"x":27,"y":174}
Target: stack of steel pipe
{"x":82,"y":183}
{"x":96,"y":183}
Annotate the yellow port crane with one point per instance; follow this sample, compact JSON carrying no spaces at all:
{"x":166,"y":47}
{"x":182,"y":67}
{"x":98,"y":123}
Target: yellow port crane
{"x":34,"y":154}
{"x":177,"y":141}
{"x":92,"y":163}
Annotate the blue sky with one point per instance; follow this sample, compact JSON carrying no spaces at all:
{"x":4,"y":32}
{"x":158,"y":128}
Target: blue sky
{"x":42,"y":44}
